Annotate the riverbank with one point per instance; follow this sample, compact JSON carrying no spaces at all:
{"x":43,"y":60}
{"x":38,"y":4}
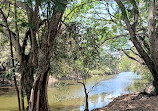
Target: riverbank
{"x":128,"y":103}
{"x":133,"y":102}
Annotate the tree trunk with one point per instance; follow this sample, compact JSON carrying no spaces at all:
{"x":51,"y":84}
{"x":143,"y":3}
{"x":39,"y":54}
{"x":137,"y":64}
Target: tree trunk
{"x":86,"y":107}
{"x":27,"y":77}
{"x":39,"y":99}
{"x":22,"y":99}
{"x":86,"y":96}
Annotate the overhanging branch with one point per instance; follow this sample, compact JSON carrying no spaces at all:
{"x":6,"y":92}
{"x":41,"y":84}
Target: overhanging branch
{"x":142,"y":63}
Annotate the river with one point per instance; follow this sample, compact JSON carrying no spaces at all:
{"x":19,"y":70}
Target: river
{"x":69,"y":96}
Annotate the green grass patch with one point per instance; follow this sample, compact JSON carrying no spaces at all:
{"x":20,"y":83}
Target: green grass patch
{"x":138,"y":85}
{"x":96,"y":72}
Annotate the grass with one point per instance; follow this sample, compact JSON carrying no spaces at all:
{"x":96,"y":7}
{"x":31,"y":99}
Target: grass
{"x":96,"y":72}
{"x":138,"y":85}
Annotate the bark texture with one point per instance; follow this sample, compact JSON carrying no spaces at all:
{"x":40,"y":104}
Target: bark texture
{"x":27,"y":78}
{"x":38,"y":99}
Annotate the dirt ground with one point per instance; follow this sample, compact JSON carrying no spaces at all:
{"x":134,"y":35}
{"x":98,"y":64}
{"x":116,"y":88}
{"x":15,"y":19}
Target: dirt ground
{"x":129,"y":102}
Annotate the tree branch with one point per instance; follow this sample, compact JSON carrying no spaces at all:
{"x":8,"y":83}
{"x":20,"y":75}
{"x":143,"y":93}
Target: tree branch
{"x":152,"y":31}
{"x":107,"y":5}
{"x":144,"y":42}
{"x":85,"y":89}
{"x":28,"y":33}
{"x":132,"y":57}
{"x":118,"y":36}
{"x":9,"y":33}
{"x":2,"y":25}
{"x":135,"y":53}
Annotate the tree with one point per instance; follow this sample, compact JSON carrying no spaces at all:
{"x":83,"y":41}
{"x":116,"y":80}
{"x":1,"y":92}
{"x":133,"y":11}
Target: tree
{"x":151,"y":58}
{"x":40,"y":26}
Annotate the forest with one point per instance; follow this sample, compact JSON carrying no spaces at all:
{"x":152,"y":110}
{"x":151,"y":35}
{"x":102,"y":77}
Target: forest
{"x":78,"y":55}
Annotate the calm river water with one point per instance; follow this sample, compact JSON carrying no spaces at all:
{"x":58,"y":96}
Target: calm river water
{"x":69,"y":96}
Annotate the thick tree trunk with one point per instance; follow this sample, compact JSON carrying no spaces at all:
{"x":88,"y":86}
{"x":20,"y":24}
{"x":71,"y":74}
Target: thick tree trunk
{"x":27,"y":77}
{"x":152,"y":30}
{"x":39,"y":99}
{"x":148,"y":61}
{"x":44,"y":98}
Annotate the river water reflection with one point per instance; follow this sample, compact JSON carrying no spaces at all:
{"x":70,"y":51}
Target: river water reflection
{"x":69,"y":96}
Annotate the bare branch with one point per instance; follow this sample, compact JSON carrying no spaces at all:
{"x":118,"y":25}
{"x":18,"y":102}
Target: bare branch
{"x":3,"y":25}
{"x":85,"y":89}
{"x":132,"y":57}
{"x":102,"y":18}
{"x":107,"y":8}
{"x":135,"y":53}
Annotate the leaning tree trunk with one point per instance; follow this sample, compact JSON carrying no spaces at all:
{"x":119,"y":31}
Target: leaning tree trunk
{"x":153,"y":39}
{"x":86,"y":107}
{"x":149,"y":60}
{"x":86,"y":96}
